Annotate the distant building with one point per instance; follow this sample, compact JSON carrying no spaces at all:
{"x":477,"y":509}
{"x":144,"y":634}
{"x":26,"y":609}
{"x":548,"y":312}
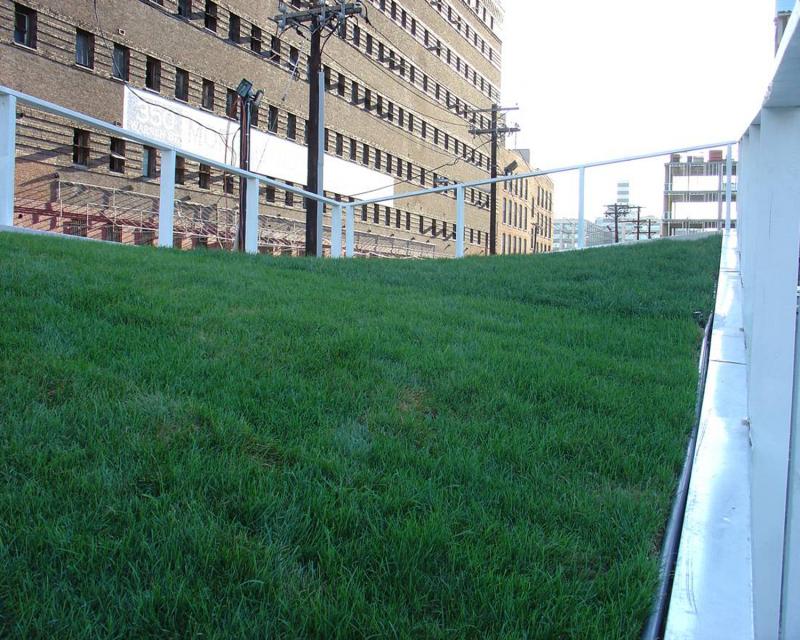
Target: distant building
{"x":694,"y":192}
{"x":624,"y":193}
{"x":565,"y":234}
{"x":525,"y":207}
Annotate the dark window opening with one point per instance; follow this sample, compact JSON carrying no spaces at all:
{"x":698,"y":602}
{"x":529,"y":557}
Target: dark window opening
{"x":25,"y":22}
{"x":80,"y":148}
{"x":84,"y":49}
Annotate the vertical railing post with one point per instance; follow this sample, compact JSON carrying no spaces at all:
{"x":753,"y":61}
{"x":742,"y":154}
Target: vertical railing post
{"x":8,"y":138}
{"x":581,"y":208}
{"x":166,"y":203}
{"x":459,"y":222}
{"x":349,"y":232}
{"x":728,"y":188}
{"x":251,"y":221}
{"x":774,"y":233}
{"x":336,"y":231}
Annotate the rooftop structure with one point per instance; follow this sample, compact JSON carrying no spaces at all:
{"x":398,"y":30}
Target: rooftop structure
{"x":695,"y":188}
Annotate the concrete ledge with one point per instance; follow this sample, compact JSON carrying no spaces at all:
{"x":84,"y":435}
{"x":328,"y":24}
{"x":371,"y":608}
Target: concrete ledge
{"x":712,"y":595}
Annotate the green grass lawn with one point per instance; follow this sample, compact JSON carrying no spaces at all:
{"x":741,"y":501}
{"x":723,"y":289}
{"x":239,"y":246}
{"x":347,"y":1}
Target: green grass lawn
{"x":220,"y":446}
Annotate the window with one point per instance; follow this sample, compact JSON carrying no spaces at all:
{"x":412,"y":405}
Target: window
{"x":210,"y":19}
{"x":112,"y":233}
{"x":291,"y":126}
{"x":227,"y":183}
{"x":234,"y":28}
{"x":204,"y":176}
{"x":208,"y":95}
{"x":116,"y":161}
{"x":182,"y":84}
{"x":153,"y":74}
{"x":289,"y":199}
{"x":180,"y":170}
{"x":120,"y":62}
{"x":255,"y":39}
{"x":365,"y":154}
{"x":339,"y":144}
{"x":185,"y":8}
{"x":148,"y":162}
{"x":275,"y":50}
{"x":354,"y":93}
{"x":253,"y":115}
{"x":80,"y":147}
{"x":75,"y":228}
{"x":272,"y":124}
{"x":24,"y":26}
{"x":340,"y":85}
{"x":84,"y":49}
{"x":353,"y":149}
{"x":231,"y":103}
{"x":270,"y":193}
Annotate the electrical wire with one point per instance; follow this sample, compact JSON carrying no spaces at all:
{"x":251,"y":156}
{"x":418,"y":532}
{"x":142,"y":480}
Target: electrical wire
{"x":406,"y":181}
{"x":403,"y":86}
{"x":390,"y":41}
{"x":430,"y":145}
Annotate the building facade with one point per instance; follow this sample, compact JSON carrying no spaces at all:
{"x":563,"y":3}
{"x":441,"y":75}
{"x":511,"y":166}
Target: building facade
{"x":525,"y":207}
{"x":695,"y":191}
{"x":401,"y":95}
{"x":565,"y":234}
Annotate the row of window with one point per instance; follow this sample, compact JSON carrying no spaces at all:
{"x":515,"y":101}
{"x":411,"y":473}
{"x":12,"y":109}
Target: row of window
{"x":481,"y":11}
{"x":425,"y":36}
{"x":544,"y":199}
{"x":380,"y":214}
{"x":237,"y":33}
{"x":515,"y":214}
{"x":512,"y":244}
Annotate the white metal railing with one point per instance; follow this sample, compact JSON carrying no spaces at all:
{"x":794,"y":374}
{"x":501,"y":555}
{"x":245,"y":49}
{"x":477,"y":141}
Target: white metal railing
{"x":339,"y":210}
{"x":166,"y":211}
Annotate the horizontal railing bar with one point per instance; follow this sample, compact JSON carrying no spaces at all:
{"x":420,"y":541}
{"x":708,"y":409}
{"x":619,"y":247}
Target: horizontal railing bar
{"x":49,"y":107}
{"x":539,"y":172}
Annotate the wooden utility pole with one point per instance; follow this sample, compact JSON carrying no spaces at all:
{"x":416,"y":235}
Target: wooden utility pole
{"x":495,"y":131}
{"x":318,"y":17}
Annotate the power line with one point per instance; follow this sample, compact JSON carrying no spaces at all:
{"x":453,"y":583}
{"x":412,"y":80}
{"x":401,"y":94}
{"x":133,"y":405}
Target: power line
{"x":455,"y":161}
{"x":402,"y":85}
{"x":390,"y":41}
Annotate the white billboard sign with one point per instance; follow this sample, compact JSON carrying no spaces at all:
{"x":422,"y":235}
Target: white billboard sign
{"x":198,"y":131}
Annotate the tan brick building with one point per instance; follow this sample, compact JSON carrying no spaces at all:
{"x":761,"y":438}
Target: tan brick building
{"x":525,"y":216}
{"x":401,"y":89}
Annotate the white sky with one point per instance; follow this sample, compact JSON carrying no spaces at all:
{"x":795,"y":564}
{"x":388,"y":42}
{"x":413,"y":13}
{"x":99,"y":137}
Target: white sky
{"x":598,"y":79}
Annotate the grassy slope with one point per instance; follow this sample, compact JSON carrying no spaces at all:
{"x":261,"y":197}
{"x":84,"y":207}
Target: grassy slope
{"x":247,"y":447}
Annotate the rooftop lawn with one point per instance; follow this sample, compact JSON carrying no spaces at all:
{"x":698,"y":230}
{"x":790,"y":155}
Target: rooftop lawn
{"x":222,"y":446}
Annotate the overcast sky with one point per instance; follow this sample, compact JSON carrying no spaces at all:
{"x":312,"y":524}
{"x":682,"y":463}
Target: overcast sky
{"x":598,"y":79}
